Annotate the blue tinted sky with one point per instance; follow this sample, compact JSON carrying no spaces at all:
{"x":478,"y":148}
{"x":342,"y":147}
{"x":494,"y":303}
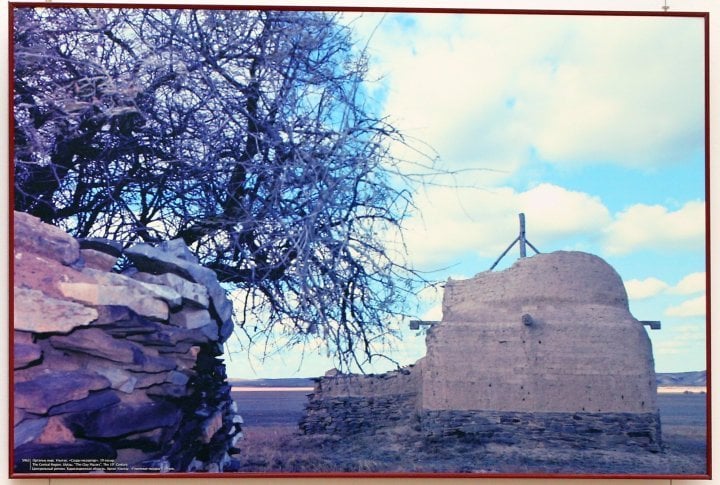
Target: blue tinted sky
{"x":591,"y":126}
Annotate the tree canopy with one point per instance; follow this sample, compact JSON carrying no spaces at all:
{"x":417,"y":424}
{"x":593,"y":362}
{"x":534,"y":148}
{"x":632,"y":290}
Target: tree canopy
{"x":247,"y":133}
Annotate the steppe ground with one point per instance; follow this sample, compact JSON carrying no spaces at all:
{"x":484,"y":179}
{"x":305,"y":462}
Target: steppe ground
{"x":272,"y":444}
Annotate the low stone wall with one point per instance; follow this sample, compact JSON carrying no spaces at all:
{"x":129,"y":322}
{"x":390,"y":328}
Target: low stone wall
{"x":347,"y":404}
{"x":347,"y":407}
{"x":117,"y":372}
{"x":583,"y":431}
{"x":351,"y":415}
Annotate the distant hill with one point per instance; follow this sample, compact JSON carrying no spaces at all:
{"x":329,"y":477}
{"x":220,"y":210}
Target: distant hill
{"x":284,"y":382}
{"x":696,"y":378}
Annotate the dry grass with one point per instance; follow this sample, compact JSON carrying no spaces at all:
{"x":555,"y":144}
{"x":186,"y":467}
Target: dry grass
{"x":277,"y":449}
{"x":281,"y":449}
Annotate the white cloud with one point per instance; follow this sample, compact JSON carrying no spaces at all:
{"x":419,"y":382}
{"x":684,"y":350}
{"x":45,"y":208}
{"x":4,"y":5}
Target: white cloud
{"x":689,"y":308}
{"x":434,"y":313}
{"x":558,"y":212}
{"x":459,"y":220}
{"x":485,"y":90}
{"x":641,"y":289}
{"x":607,"y":97}
{"x":655,"y":227}
{"x":692,"y":283}
{"x":495,"y":91}
{"x":675,"y":343}
{"x":456,"y":221}
{"x":650,"y":287}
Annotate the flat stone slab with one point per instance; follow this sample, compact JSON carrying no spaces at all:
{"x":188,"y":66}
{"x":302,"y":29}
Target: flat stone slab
{"x":25,"y":350}
{"x":190,"y":292}
{"x":123,"y":419}
{"x":138,"y":301}
{"x":45,"y":391}
{"x":25,"y":354}
{"x":36,"y":312}
{"x":152,"y":364}
{"x":28,"y":430}
{"x":134,"y":325}
{"x":119,"y":378}
{"x":32,"y":236}
{"x":179,"y":249}
{"x":155,"y":260}
{"x":94,"y":401}
{"x":93,"y":341}
{"x":161,"y":292}
{"x":37,"y":272}
{"x":191,"y":318}
{"x":98,"y":260}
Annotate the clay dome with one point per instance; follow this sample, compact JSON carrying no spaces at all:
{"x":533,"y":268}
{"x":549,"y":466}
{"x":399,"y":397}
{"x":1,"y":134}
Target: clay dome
{"x":552,"y":333}
{"x":568,"y":277}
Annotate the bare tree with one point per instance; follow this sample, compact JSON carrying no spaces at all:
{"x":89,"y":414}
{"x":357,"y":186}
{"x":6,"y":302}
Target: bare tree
{"x":246,"y":133}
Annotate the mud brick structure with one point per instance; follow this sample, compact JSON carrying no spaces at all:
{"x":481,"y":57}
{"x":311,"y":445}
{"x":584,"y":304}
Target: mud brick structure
{"x":545,"y":353}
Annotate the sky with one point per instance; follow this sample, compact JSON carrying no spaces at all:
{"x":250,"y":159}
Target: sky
{"x":591,"y":126}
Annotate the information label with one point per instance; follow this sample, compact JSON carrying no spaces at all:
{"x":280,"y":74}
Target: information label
{"x":84,"y":465}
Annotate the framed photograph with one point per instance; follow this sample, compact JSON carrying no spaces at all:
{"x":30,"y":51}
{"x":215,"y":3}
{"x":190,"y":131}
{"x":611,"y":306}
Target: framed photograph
{"x":358,"y":241}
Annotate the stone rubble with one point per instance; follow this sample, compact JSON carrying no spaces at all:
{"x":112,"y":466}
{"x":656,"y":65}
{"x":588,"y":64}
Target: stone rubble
{"x":120,"y":367}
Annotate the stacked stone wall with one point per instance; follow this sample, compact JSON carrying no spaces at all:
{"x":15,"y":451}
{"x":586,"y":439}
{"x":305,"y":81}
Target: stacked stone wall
{"x":583,"y":431}
{"x":117,"y":372}
{"x":348,"y":404}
